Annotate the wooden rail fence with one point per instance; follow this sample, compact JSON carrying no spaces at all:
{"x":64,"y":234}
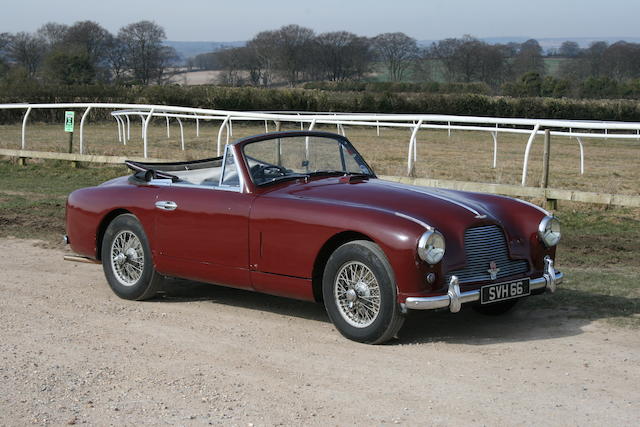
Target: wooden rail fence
{"x":504,"y":189}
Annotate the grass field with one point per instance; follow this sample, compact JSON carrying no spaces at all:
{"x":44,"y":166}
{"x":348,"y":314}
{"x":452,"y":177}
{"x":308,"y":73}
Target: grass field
{"x":611,"y":166}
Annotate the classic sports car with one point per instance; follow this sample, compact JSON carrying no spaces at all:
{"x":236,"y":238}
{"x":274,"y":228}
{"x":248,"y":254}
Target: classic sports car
{"x":302,"y":215}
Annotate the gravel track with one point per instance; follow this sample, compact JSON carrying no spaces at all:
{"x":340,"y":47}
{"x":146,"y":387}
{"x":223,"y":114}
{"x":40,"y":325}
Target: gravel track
{"x":71,"y":352}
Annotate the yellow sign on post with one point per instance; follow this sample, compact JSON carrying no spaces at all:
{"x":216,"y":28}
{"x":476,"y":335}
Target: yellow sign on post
{"x":69,"y":118}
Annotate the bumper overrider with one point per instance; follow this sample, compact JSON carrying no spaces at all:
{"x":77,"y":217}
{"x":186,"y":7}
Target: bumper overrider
{"x":454,"y":298}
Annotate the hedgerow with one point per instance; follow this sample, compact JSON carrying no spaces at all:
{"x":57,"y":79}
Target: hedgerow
{"x":256,"y":99}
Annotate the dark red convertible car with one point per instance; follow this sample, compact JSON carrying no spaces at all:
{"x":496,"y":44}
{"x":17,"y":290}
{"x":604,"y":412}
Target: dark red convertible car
{"x":302,"y":215}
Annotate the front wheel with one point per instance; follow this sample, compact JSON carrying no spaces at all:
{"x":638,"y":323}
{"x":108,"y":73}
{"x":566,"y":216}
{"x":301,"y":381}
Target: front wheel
{"x":127,"y":261}
{"x":359,"y":293}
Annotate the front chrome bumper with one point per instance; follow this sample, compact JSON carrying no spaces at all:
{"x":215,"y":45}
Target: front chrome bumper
{"x":454,"y":298}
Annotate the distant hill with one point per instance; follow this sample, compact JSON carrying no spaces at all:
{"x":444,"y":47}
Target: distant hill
{"x":190,"y":49}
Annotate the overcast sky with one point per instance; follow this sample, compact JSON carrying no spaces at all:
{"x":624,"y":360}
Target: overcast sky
{"x":233,"y":20}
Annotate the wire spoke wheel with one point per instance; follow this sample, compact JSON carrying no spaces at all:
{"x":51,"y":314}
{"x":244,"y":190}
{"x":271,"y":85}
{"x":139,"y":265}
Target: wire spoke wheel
{"x":357,"y":294}
{"x":127,"y":258}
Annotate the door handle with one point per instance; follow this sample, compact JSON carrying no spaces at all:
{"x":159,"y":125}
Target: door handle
{"x":166,"y":205}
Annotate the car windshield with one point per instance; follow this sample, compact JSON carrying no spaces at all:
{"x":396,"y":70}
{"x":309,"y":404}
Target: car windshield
{"x":287,"y":157}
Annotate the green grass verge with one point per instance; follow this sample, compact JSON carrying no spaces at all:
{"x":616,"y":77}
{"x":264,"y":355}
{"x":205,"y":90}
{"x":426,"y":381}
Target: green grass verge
{"x":32,"y":197}
{"x":599,"y":252}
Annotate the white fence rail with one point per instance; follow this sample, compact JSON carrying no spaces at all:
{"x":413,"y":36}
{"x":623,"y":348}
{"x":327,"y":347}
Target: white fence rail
{"x":122,"y":114}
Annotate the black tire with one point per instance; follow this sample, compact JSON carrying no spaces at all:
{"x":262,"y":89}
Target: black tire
{"x":132,"y":275}
{"x":369,"y":258}
{"x":497,"y":308}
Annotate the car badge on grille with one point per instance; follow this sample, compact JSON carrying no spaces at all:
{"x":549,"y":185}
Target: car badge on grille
{"x":493,"y":270}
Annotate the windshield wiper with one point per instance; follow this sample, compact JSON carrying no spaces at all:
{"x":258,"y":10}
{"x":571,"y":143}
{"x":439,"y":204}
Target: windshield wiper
{"x":284,"y":178}
{"x":337,"y":172}
{"x":315,"y":173}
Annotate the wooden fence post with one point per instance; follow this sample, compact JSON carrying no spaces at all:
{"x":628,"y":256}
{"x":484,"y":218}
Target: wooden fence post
{"x":544,"y":183}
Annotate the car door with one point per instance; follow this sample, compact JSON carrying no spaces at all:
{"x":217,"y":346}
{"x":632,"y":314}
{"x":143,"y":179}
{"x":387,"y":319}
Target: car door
{"x":203,"y":231}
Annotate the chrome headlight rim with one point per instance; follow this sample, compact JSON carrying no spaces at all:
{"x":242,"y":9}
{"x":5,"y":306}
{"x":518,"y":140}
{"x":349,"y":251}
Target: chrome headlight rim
{"x":431,"y":247}
{"x":547,"y":235}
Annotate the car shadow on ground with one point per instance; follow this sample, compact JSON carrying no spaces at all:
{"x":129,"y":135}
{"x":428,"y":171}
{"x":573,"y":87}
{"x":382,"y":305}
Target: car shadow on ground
{"x":469,"y":327}
{"x":528,"y":321}
{"x":179,"y":290}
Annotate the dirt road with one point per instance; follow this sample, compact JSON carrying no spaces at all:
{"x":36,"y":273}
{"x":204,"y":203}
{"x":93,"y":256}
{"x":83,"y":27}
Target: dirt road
{"x":72,"y":352}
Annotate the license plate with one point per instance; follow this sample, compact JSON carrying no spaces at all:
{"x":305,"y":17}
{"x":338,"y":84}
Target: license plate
{"x":504,"y":291}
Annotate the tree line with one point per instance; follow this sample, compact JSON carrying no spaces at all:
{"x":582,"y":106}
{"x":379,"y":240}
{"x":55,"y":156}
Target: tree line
{"x":87,"y":53}
{"x":292,"y":55}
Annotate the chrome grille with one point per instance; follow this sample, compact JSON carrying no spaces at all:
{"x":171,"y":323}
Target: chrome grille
{"x":481,"y":246}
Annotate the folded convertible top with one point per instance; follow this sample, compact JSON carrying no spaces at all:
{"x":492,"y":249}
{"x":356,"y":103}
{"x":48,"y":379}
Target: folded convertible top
{"x":149,"y":170}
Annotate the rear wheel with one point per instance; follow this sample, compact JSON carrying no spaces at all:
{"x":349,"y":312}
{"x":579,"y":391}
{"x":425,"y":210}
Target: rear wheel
{"x":359,"y":293}
{"x":127,"y":261}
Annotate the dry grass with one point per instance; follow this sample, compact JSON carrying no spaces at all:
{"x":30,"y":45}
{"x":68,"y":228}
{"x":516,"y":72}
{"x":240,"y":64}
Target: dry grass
{"x":611,"y":166}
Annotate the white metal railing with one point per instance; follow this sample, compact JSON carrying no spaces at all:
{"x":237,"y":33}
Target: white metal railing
{"x":415,"y":122}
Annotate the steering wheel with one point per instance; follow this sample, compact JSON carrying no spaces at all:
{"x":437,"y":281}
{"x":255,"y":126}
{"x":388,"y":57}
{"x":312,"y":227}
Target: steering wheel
{"x":263,"y":173}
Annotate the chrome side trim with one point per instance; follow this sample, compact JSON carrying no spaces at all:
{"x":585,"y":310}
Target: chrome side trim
{"x":416,"y":220}
{"x":84,"y":259}
{"x":454,"y":298}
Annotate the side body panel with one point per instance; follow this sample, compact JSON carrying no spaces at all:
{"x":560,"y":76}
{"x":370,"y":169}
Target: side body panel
{"x":87,"y":208}
{"x":291,"y":232}
{"x":206,"y":237}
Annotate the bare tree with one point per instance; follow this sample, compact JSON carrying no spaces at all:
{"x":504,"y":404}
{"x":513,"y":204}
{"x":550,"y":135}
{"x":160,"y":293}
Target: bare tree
{"x":493,"y":68}
{"x":5,"y":39}
{"x":165,"y":65}
{"x":249,"y":61}
{"x":469,"y":59}
{"x":443,"y":52}
{"x":529,"y":59}
{"x":116,"y":58}
{"x":569,"y":49}
{"x":293,"y":43}
{"x":53,"y":34}
{"x":143,"y":44}
{"x":589,"y":63}
{"x":232,"y":64}
{"x":27,"y":50}
{"x":623,"y":60}
{"x":341,"y":55}
{"x":397,"y":51}
{"x":264,"y":46}
{"x":76,"y":54}
{"x":206,"y":61}
{"x":90,"y":38}
{"x":594,"y":58}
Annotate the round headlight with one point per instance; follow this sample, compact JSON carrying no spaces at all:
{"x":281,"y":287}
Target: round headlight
{"x":549,"y":231}
{"x":431,"y":247}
